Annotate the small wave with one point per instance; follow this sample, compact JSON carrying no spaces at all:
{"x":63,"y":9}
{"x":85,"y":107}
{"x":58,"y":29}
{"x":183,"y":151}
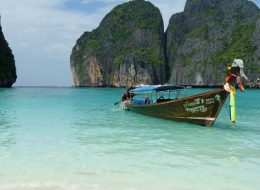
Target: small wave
{"x":48,"y":186}
{"x":118,"y":109}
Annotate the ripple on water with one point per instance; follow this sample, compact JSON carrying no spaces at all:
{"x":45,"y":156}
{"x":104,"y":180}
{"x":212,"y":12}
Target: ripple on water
{"x":77,"y":139}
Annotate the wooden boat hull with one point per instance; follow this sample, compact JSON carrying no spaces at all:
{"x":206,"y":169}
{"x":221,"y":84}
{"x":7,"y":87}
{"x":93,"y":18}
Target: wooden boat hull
{"x":202,"y":109}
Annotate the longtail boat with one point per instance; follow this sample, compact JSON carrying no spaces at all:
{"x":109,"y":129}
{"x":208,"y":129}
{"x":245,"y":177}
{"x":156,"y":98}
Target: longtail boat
{"x":202,"y":109}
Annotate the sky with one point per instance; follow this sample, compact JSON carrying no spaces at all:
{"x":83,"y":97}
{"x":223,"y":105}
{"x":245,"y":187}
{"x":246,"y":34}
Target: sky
{"x":42,"y":33}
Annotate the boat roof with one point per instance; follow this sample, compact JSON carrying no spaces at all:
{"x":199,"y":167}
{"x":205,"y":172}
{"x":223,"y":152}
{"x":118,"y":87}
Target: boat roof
{"x":156,"y":88}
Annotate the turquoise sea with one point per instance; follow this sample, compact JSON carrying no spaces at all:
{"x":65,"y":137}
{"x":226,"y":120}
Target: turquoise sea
{"x":76,"y":139}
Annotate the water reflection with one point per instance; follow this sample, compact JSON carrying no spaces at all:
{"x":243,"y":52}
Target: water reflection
{"x":7,"y":133}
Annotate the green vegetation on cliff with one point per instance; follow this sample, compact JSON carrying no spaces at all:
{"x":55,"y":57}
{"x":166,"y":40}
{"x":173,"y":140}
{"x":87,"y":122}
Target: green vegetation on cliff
{"x":237,"y":43}
{"x":208,"y":36}
{"x":117,"y":28}
{"x":7,"y":63}
{"x":130,"y":45}
{"x":131,"y":33}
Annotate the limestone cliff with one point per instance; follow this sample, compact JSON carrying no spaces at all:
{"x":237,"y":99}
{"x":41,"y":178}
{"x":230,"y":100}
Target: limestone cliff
{"x":128,"y":48}
{"x":208,"y":35}
{"x":7,"y":63}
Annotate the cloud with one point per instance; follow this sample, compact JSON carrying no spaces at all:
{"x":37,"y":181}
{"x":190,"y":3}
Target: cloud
{"x":43,"y":32}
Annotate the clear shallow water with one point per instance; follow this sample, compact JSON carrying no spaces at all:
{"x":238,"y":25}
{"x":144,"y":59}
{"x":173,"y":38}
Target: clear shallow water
{"x":74,"y":139}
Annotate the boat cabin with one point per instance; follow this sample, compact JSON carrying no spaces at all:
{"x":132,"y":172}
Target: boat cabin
{"x":154,"y":94}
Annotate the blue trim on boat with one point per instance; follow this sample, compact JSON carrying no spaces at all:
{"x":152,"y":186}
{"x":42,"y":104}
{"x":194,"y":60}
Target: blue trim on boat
{"x":141,"y":102}
{"x":145,"y":89}
{"x":156,"y":88}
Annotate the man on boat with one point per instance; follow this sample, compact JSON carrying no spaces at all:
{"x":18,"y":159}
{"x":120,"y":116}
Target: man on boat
{"x":257,"y":83}
{"x":128,"y":95}
{"x":233,"y":80}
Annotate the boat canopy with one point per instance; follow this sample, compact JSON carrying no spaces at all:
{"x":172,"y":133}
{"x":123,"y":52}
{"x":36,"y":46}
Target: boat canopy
{"x":156,"y":88}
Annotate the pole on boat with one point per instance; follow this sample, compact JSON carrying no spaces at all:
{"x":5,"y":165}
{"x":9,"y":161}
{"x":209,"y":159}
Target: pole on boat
{"x":233,"y":107}
{"x":116,"y":103}
{"x":232,"y":80}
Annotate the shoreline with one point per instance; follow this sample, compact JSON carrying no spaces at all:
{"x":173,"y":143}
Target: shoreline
{"x":186,"y":86}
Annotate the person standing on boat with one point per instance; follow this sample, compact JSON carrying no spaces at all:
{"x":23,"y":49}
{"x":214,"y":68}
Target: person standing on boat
{"x":257,"y":83}
{"x":233,"y":80}
{"x":128,"y":95}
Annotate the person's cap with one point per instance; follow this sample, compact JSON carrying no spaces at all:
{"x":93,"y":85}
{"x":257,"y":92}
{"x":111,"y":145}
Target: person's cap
{"x":238,"y":63}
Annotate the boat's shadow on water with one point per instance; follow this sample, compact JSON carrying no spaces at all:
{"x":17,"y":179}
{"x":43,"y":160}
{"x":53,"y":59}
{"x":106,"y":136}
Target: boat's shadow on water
{"x":224,"y":124}
{"x":241,"y":127}
{"x":221,"y":130}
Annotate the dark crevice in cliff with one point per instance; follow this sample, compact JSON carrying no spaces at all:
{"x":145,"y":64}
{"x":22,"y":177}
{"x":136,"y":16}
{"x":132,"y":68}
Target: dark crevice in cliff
{"x":167,"y":66}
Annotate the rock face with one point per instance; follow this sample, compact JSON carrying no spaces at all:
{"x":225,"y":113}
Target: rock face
{"x":7,"y":63}
{"x":128,"y":48}
{"x":208,"y":35}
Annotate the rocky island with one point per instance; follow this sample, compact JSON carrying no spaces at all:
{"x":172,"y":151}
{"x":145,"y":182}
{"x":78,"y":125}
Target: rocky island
{"x":7,"y":63}
{"x":127,"y":48}
{"x":208,"y":35}
{"x":131,"y":47}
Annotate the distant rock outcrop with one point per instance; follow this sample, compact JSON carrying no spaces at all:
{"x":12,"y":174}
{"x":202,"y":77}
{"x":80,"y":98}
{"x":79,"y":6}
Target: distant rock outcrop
{"x":126,"y":49}
{"x":7,"y":63}
{"x":208,"y":35}
{"x":130,"y":46}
